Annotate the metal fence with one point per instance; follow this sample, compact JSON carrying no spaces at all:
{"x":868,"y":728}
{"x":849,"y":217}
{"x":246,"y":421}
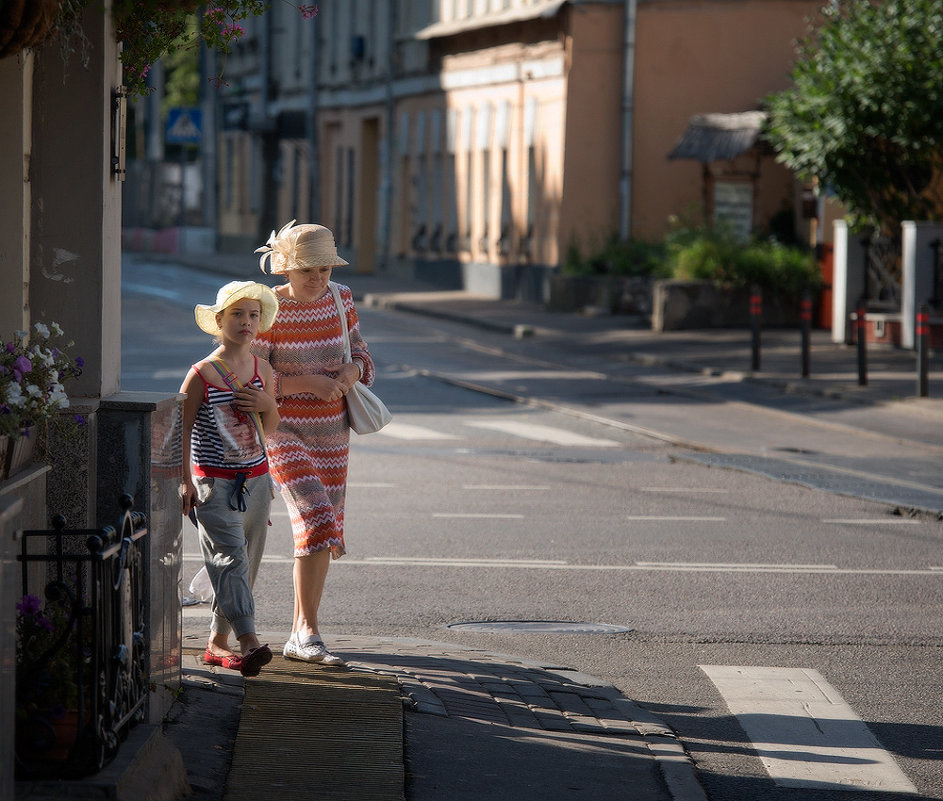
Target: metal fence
{"x":81,"y":678}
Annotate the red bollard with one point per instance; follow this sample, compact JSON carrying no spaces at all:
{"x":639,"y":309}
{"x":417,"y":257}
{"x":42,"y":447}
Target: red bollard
{"x":861,"y":328}
{"x":923,"y":352}
{"x":756,"y":315}
{"x":805,"y":324}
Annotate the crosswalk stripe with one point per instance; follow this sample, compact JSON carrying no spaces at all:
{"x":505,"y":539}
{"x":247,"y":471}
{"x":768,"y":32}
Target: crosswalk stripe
{"x":412,"y":432}
{"x":534,"y":431}
{"x":879,"y":521}
{"x":804,"y":732}
{"x":653,"y":567}
{"x":677,"y":518}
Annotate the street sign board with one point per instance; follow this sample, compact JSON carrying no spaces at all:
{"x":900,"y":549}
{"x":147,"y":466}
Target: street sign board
{"x":184,"y":126}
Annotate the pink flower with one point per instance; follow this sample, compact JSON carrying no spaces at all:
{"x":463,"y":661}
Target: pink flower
{"x":233,"y":32}
{"x":308,"y":12}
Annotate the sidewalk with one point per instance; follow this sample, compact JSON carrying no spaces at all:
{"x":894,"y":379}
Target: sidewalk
{"x":474,"y":724}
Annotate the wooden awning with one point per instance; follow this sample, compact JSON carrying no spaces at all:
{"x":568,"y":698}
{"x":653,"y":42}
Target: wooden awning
{"x":718,"y":137}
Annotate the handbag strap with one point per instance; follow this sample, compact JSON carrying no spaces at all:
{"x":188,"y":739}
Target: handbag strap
{"x":342,"y":313}
{"x":233,"y":383}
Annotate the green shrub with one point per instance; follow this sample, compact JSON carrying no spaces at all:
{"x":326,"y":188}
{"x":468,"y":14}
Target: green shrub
{"x":617,"y":257}
{"x":716,"y":254}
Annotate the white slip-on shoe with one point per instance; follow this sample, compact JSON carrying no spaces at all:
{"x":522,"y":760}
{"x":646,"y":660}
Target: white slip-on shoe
{"x":312,"y":650}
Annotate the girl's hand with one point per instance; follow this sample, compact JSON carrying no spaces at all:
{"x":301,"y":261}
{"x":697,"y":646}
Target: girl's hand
{"x":253,"y":399}
{"x":188,"y":496}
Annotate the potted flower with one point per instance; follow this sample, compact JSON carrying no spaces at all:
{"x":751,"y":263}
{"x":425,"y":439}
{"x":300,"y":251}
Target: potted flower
{"x":50,"y":658}
{"x":150,"y":29}
{"x":33,"y":371}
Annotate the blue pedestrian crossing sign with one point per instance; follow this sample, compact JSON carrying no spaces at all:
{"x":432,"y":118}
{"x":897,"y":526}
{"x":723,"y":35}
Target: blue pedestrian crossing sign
{"x":184,"y":126}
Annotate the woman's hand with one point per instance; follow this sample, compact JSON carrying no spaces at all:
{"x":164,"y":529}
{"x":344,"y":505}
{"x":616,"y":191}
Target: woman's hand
{"x":348,"y":373}
{"x":326,"y":388}
{"x":323,"y":387}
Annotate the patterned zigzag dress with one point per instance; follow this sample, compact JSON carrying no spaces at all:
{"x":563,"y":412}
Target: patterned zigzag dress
{"x":308,"y":452}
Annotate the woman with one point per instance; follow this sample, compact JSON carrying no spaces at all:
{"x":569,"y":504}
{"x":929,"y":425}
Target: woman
{"x":308,"y":451}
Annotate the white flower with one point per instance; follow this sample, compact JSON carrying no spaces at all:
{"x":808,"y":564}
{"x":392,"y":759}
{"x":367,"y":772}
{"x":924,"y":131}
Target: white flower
{"x":33,"y":391}
{"x":56,"y":329}
{"x":58,"y":399}
{"x":13,"y":396}
{"x":42,"y":329}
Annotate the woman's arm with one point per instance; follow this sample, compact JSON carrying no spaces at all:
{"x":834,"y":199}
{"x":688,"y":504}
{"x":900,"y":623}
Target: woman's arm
{"x":321,"y":386}
{"x":359,"y":352}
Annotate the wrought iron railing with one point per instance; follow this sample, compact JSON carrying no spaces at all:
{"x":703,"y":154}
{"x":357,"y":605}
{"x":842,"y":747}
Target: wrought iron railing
{"x":881,"y":274}
{"x":936,"y":299}
{"x":77,"y":697}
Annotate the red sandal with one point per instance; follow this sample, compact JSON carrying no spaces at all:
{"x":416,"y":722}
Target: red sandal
{"x":233,"y":662}
{"x":253,"y":661}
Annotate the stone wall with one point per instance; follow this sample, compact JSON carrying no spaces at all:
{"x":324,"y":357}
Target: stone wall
{"x":681,"y":305}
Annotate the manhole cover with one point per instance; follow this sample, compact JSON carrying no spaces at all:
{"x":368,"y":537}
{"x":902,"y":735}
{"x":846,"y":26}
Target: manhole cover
{"x":540,"y":627}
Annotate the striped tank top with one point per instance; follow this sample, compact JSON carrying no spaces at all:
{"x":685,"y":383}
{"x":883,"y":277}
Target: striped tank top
{"x":224,"y":440}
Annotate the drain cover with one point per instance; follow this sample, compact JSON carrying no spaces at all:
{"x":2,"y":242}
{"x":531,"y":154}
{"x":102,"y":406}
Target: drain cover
{"x":539,"y":627}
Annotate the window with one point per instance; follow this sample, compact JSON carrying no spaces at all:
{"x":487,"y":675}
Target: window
{"x":450,"y":188}
{"x":530,"y":120}
{"x":484,"y":144}
{"x":468,"y":142}
{"x":349,"y":222}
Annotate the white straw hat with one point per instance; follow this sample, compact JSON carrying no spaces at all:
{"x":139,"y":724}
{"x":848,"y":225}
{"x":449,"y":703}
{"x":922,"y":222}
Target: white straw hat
{"x":235,"y":291}
{"x":295,"y":247}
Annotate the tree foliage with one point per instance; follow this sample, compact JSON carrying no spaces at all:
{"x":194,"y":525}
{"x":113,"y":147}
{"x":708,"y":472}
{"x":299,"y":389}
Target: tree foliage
{"x":865,"y":113}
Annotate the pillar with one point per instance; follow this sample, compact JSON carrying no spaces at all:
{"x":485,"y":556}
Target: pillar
{"x":75,"y":251}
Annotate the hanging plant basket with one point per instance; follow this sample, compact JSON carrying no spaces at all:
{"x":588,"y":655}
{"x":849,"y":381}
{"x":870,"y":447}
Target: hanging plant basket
{"x":26,"y":23}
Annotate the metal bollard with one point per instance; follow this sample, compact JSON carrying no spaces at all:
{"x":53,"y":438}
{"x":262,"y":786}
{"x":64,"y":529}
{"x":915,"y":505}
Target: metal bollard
{"x":862,"y":339}
{"x":756,"y":315}
{"x":923,"y":351}
{"x":805,"y":327}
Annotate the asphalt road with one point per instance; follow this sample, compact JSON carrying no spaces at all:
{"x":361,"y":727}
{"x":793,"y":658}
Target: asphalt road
{"x":605,"y":502}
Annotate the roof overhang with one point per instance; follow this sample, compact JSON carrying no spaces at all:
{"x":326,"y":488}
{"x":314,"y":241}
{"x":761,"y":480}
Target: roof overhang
{"x":718,"y":137}
{"x":439,"y":30}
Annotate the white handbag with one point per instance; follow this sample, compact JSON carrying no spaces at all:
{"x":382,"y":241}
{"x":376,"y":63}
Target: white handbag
{"x":366,"y":413}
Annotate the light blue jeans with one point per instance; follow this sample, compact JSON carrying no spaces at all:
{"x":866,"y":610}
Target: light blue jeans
{"x":232,"y":543}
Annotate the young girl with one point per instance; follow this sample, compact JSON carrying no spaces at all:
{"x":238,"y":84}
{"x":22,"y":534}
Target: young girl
{"x":229,"y":408}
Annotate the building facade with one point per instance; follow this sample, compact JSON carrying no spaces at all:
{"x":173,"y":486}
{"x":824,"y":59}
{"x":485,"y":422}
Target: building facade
{"x":470,"y":143}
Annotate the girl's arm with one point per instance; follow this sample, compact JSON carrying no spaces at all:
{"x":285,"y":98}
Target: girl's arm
{"x":192,"y":387}
{"x":252,"y":399}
